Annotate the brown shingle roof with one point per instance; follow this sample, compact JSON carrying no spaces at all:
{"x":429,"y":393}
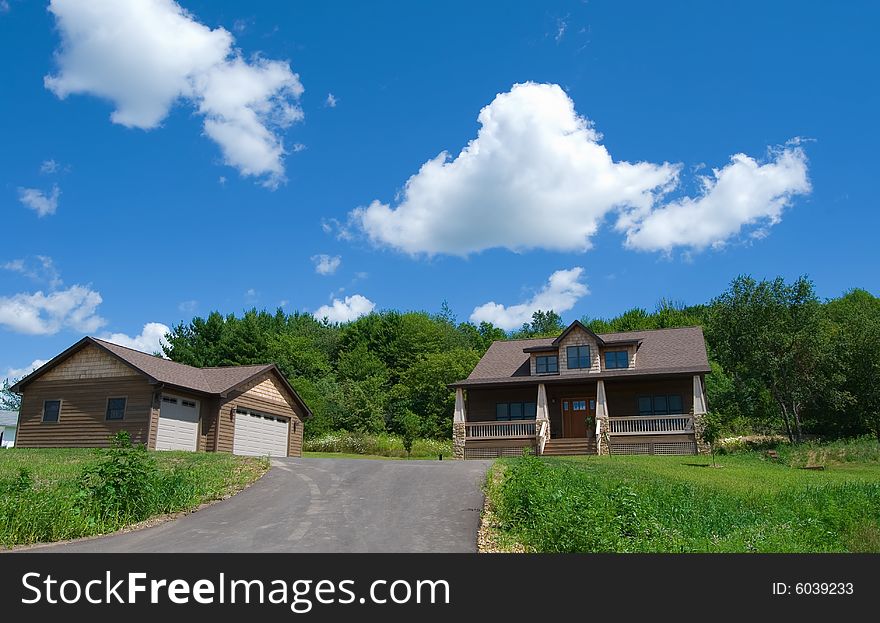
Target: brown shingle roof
{"x":660,"y":351}
{"x":207,"y":380}
{"x":216,"y":381}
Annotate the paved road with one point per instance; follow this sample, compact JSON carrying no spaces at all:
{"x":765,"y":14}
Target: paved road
{"x":326,"y":505}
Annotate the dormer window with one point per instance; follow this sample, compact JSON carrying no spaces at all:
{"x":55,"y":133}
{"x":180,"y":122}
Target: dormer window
{"x":547,"y":364}
{"x":578,"y":357}
{"x":616,"y":359}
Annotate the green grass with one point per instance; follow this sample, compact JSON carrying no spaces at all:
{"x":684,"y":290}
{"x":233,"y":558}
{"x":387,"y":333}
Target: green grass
{"x":681,"y":504}
{"x":381,"y":445}
{"x":51,"y":504}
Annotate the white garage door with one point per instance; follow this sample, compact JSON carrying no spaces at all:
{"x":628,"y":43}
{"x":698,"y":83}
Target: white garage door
{"x":178,"y":424}
{"x":259,"y":434}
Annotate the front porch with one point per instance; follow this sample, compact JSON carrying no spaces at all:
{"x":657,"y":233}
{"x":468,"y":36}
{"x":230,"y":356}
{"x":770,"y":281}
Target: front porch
{"x":578,"y":418}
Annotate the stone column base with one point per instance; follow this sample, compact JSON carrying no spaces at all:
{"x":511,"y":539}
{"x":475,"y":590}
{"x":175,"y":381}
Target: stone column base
{"x":604,"y":435}
{"x":702,"y":446}
{"x":458,"y":435}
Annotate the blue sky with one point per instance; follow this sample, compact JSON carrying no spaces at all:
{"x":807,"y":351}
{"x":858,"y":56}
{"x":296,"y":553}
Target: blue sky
{"x":193,"y":159}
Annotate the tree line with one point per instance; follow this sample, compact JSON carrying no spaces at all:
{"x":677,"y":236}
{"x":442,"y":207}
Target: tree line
{"x":782,"y":359}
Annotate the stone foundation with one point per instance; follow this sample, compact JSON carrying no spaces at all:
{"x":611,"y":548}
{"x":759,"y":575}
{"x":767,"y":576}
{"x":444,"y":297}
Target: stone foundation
{"x":458,"y":436}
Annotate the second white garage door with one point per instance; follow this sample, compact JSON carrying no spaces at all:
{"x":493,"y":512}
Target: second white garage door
{"x":259,"y":434}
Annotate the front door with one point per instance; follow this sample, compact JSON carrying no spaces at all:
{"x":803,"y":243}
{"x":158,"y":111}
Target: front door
{"x":579,"y":417}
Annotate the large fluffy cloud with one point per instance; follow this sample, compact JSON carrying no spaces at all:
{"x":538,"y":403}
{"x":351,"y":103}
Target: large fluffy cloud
{"x":352,"y":308}
{"x":742,"y":193}
{"x":537,"y":176}
{"x":146,"y":55}
{"x":563,"y":289}
{"x":45,"y":314}
{"x":151,"y":339}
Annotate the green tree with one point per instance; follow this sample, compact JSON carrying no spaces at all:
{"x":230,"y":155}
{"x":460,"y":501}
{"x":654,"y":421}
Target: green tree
{"x":771,"y":335}
{"x":9,"y":401}
{"x":429,"y":396}
{"x":856,"y":318}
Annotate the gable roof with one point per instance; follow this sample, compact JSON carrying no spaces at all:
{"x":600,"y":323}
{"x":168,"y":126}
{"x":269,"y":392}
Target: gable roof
{"x":660,"y":351}
{"x":577,"y":324}
{"x":214,"y":381}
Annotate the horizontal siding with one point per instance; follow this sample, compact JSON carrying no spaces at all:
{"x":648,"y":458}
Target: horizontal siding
{"x":623,"y":396}
{"x":82,"y":422}
{"x":481,"y":402}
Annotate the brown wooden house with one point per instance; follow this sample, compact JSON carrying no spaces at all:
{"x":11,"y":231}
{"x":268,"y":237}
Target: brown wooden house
{"x":640,"y":392}
{"x":95,"y":389}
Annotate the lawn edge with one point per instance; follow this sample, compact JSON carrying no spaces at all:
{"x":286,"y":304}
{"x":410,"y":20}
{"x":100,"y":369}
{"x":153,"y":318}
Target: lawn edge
{"x":490,"y":538}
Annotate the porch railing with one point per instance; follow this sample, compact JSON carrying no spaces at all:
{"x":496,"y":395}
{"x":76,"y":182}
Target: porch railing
{"x":651,"y":425}
{"x":499,"y":430}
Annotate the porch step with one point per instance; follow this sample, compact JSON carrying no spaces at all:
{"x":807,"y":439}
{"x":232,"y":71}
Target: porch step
{"x":570,"y":446}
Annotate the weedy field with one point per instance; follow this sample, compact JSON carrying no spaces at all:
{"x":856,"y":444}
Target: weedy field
{"x":747,"y":503}
{"x":59,"y":494}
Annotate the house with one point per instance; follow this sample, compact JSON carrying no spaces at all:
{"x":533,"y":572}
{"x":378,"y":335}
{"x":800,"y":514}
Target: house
{"x":95,"y":389}
{"x":8,"y":424}
{"x":640,"y":392}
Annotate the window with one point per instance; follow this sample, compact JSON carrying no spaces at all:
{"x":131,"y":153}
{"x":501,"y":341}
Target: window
{"x":578,"y":357}
{"x":188,"y":403}
{"x":506,"y":411}
{"x":661,"y":404}
{"x":51,"y":410}
{"x":546,"y":364}
{"x":115,"y":408}
{"x":616,"y":359}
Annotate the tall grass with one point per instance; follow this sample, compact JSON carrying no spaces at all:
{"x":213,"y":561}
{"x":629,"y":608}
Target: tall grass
{"x":623,"y":504}
{"x":382,"y":444}
{"x":52,"y":495}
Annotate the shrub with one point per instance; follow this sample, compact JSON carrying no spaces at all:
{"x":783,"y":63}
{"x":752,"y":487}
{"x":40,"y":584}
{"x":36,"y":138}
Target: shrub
{"x":122,"y":484}
{"x":382,"y":444}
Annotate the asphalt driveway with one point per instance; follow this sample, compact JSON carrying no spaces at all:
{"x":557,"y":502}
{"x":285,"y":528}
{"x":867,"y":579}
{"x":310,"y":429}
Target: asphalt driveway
{"x":326,"y":505}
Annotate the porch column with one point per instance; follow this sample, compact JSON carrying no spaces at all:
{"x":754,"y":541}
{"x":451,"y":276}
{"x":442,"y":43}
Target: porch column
{"x":542,"y":416}
{"x":602,"y":425}
{"x":700,"y":408}
{"x":458,"y":428}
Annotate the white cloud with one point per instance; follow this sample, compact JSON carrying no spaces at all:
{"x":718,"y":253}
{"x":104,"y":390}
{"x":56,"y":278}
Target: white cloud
{"x":326,"y":264}
{"x":534,"y":165}
{"x":561,"y":27}
{"x":537,"y":176}
{"x":331,"y":101}
{"x":563,"y":289}
{"x":147,"y":55}
{"x":4,"y":6}
{"x":151,"y":339}
{"x":42,"y":270}
{"x":39,"y":201}
{"x":46,"y":314}
{"x":742,"y":193}
{"x":351,"y":308}
{"x":49,"y":166}
{"x":18,"y":373}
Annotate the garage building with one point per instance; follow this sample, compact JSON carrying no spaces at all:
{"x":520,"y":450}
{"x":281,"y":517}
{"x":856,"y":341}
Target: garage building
{"x":95,"y":389}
